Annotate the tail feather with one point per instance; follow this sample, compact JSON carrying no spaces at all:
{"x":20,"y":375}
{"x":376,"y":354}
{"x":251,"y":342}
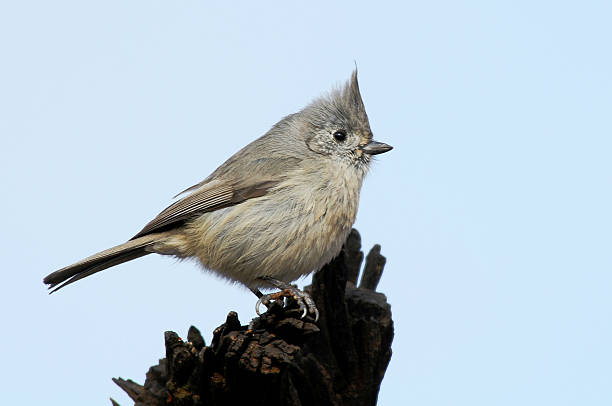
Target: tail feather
{"x":98,"y":262}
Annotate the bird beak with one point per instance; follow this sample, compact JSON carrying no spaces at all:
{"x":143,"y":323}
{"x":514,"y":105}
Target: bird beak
{"x":375,"y":147}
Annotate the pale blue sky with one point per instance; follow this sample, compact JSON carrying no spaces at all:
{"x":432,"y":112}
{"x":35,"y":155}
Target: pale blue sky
{"x":493,"y":209}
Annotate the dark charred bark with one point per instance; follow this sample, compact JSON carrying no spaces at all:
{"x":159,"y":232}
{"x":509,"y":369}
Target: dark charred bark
{"x":282,"y":359}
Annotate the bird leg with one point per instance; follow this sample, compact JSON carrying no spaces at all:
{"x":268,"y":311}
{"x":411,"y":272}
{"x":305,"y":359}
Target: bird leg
{"x":257,"y":292}
{"x":303,"y":299}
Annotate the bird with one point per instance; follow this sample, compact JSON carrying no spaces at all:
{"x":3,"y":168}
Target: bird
{"x":278,"y":209}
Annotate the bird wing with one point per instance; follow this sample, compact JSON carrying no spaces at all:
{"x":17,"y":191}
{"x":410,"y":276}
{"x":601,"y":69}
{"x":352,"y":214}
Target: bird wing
{"x":208,"y":197}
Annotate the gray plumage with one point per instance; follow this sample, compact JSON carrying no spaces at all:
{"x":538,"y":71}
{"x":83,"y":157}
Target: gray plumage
{"x":281,"y":207}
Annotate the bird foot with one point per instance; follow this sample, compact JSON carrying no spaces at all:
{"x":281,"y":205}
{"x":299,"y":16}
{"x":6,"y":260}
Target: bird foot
{"x":303,"y":299}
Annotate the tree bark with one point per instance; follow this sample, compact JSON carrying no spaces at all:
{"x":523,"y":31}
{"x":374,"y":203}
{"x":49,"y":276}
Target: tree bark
{"x":281,"y":359}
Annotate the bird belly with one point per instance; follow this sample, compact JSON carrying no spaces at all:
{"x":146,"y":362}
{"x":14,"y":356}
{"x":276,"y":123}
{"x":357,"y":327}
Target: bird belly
{"x":283,"y":235}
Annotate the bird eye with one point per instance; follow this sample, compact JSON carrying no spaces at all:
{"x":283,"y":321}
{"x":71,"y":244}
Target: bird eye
{"x":340,"y":135}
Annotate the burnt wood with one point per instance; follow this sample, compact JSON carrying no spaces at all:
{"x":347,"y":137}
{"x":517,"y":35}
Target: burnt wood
{"x":280,"y":359}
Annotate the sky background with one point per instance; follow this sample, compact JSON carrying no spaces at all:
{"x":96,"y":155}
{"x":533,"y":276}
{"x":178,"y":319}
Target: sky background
{"x":493,"y":209}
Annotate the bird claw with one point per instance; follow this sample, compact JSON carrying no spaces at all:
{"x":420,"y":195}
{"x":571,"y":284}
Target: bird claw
{"x":303,"y":300}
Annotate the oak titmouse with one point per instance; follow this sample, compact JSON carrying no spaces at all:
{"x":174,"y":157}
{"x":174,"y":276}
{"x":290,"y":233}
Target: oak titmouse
{"x":278,"y":209}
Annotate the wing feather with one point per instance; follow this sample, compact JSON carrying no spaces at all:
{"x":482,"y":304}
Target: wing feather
{"x":211,"y":196}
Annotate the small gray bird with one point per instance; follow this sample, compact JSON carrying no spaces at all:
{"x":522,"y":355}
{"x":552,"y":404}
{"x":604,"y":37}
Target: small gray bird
{"x":278,"y":209}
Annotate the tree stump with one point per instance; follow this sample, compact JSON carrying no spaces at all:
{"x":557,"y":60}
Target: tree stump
{"x":281,"y":359}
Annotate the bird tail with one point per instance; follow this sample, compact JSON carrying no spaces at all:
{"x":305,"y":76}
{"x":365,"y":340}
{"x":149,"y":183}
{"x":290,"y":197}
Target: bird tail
{"x":98,"y":262}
